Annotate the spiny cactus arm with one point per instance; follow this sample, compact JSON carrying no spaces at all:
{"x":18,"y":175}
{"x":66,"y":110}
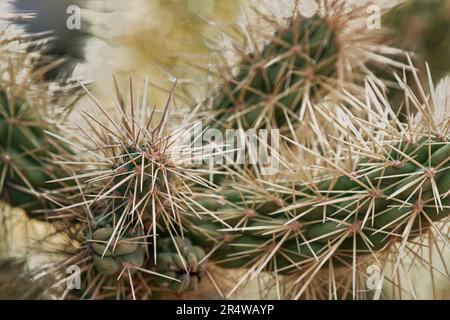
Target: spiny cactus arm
{"x":132,"y":175}
{"x":60,"y":43}
{"x":420,"y":27}
{"x":272,"y":84}
{"x":305,"y":59}
{"x":17,"y":284}
{"x":396,"y":191}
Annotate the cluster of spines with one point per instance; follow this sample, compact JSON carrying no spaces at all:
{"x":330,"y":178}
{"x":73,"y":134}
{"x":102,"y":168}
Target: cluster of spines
{"x":302,"y":63}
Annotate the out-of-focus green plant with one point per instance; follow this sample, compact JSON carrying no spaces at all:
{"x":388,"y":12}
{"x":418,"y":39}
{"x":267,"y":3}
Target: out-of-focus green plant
{"x":422,"y":27}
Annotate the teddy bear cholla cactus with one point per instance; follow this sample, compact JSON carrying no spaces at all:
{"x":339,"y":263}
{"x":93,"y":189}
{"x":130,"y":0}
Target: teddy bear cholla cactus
{"x":380,"y":197}
{"x":422,"y":27}
{"x":135,"y":182}
{"x":305,"y":59}
{"x":369,"y":188}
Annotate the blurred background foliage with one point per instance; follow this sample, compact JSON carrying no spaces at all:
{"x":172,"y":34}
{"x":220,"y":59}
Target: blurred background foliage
{"x":423,"y":27}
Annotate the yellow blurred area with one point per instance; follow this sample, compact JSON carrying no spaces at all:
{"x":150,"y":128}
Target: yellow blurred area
{"x":20,"y":236}
{"x":161,"y":39}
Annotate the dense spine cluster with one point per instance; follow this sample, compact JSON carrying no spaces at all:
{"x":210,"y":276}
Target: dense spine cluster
{"x":26,"y":150}
{"x":61,"y":40}
{"x":180,"y":263}
{"x":133,"y":187}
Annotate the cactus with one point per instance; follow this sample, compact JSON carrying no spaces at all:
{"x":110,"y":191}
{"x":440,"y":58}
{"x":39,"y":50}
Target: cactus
{"x":391,"y":191}
{"x":405,"y":185}
{"x":304,"y":61}
{"x":120,"y":266}
{"x":132,"y":186}
{"x":137,"y":173}
{"x":271,"y":84}
{"x":396,"y":192}
{"x":26,"y":163}
{"x":421,"y":28}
